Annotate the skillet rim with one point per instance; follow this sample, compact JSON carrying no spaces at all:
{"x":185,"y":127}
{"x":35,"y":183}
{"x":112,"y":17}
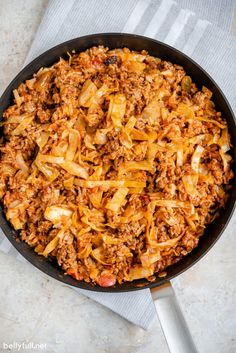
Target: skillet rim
{"x":43,"y":264}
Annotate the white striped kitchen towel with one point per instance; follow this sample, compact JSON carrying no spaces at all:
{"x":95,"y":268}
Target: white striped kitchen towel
{"x":206,"y":40}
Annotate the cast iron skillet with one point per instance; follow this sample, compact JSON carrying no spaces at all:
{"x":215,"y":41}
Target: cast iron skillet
{"x":200,"y":77}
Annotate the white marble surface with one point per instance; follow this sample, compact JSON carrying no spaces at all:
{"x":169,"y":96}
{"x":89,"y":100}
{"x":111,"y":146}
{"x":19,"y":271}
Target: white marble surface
{"x":35,"y":308}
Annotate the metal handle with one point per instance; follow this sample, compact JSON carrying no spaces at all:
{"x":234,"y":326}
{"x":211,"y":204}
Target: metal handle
{"x":172,"y":321}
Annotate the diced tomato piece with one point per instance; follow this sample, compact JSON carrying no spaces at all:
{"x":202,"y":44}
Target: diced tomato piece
{"x":97,"y":62}
{"x":106,"y":280}
{"x":74,"y":274}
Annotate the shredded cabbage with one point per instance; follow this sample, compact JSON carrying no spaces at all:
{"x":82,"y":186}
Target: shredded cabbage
{"x":166,"y":244}
{"x":170,"y":203}
{"x":118,"y":200}
{"x":96,"y":198}
{"x":17,"y":97}
{"x":47,"y":158}
{"x":16,"y":119}
{"x":150,"y":256}
{"x":100,"y":137}
{"x":109,"y":240}
{"x":42,"y":139}
{"x":226,"y":158}
{"x":139,"y":135}
{"x":68,"y":183}
{"x":190,"y":183}
{"x":117,"y":109}
{"x":221,"y":126}
{"x":98,"y":172}
{"x":23,"y":125}
{"x":151,"y":112}
{"x":185,"y":111}
{"x":53,"y":243}
{"x":109,"y":183}
{"x":98,"y":255}
{"x":138,"y":272}
{"x":224,"y":141}
{"x":50,"y":246}
{"x":87,"y":93}
{"x":180,"y":157}
{"x":88,"y":141}
{"x":151,"y":153}
{"x":191,"y":223}
{"x":196,"y":157}
{"x":85,"y":252}
{"x":142,"y":165}
{"x":137,"y":67}
{"x":74,"y":139}
{"x":57,"y":214}
{"x":13,"y":215}
{"x":50,"y":173}
{"x":125,"y":137}
{"x":60,"y":149}
{"x":21,"y":162}
{"x":75,"y":169}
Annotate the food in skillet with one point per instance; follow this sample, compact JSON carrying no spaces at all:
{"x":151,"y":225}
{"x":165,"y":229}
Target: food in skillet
{"x":113,"y":163}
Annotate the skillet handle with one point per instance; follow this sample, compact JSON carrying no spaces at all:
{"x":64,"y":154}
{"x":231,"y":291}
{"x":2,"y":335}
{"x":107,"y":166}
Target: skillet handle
{"x":172,"y":321}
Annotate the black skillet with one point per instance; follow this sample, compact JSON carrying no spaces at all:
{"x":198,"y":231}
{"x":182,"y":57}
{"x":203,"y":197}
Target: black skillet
{"x":176,"y":340}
